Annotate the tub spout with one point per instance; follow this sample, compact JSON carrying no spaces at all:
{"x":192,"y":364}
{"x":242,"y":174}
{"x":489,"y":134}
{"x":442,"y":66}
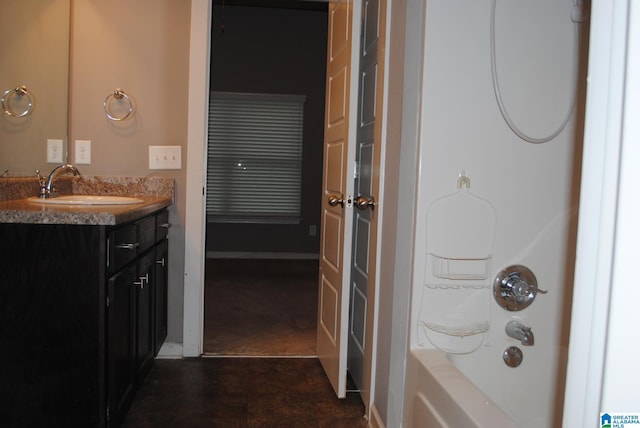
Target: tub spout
{"x":520,"y":332}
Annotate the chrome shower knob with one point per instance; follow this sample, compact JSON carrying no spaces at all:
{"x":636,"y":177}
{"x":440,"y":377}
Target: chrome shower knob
{"x":515,"y":288}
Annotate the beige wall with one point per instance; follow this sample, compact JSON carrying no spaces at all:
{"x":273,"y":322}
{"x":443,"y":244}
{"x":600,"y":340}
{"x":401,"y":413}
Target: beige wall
{"x":143,"y":48}
{"x":33,"y":52}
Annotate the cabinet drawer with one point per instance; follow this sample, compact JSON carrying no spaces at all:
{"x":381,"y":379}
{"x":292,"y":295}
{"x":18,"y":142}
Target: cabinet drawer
{"x":123,"y":246}
{"x":128,"y":242}
{"x":146,"y":233}
{"x":162,"y":225}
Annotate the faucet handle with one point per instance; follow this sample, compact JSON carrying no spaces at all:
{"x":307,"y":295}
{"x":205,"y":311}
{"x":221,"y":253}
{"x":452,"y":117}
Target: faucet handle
{"x":42,"y":182}
{"x":520,"y":287}
{"x":515,"y":287}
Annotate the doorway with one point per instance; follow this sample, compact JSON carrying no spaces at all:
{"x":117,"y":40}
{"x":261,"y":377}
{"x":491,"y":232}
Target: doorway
{"x":261,"y":274}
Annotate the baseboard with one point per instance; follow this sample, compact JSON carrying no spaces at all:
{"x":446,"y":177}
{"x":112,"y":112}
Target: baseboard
{"x":260,"y":255}
{"x":376,"y":420}
{"x":170,"y":350}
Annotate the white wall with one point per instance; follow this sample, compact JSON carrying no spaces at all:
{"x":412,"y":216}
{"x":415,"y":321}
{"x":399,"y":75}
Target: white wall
{"x":619,"y":392}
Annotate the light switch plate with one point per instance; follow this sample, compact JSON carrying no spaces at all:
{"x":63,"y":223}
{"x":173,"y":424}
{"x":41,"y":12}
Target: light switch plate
{"x":165,"y":157}
{"x":83,"y":152}
{"x":54,"y":151}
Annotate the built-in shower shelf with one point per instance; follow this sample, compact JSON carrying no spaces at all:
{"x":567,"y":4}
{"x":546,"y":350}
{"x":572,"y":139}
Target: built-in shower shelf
{"x":458,"y":286}
{"x":460,"y":268}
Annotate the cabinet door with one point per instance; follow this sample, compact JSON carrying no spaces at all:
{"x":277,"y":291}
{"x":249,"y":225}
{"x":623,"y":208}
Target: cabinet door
{"x":160,"y":294}
{"x":121,"y":319}
{"x":144,"y":313}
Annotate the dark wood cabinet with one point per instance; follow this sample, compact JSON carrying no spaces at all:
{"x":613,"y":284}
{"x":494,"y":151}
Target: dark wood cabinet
{"x":52,"y":309}
{"x":78,"y":326}
{"x":160,"y":294}
{"x":121,"y":343}
{"x":144,"y":312}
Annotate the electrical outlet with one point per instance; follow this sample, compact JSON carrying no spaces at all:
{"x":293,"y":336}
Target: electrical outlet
{"x":54,"y":151}
{"x":83,"y":152}
{"x":165,"y":157}
{"x":313,"y":230}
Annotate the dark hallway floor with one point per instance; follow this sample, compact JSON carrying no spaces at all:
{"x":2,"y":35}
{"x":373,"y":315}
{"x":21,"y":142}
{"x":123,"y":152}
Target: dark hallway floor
{"x":242,"y":392}
{"x":260,"y":307}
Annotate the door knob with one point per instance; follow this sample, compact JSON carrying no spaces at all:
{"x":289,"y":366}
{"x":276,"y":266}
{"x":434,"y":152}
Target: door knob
{"x":364,"y":203}
{"x":335,"y":200}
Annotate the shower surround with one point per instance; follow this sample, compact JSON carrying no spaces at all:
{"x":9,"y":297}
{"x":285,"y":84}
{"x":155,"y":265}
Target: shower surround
{"x":536,"y":53}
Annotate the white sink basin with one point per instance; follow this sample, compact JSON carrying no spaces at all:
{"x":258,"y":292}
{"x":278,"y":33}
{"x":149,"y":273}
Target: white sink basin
{"x":86,"y":200}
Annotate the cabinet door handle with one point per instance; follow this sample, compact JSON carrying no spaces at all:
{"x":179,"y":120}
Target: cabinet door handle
{"x":143,"y":280}
{"x":160,"y":262}
{"x":165,"y":225}
{"x":129,"y":246}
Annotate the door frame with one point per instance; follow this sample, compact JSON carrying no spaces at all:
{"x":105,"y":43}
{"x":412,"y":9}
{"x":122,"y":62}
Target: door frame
{"x":195,"y":217}
{"x":603,"y":311}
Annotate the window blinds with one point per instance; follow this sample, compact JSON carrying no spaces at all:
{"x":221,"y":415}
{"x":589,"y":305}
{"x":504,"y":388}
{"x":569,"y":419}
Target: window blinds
{"x":254,"y":160}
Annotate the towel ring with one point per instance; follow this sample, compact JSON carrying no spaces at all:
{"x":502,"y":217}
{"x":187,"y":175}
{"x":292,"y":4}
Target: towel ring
{"x":117,"y":95}
{"x":20,"y":91}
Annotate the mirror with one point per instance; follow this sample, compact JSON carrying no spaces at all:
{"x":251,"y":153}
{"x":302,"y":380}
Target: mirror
{"x":34,"y":53}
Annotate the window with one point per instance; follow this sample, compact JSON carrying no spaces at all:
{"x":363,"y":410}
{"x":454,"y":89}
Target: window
{"x":254,"y":161}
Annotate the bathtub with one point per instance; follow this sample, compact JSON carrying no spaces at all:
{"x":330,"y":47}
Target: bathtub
{"x":440,"y":396}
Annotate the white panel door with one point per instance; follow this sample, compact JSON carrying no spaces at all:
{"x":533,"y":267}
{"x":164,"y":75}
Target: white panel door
{"x":336,"y":221}
{"x":367,"y":191}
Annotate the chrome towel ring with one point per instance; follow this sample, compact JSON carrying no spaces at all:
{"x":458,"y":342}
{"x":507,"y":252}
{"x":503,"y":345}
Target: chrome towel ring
{"x":18,"y":93}
{"x":118,"y":96}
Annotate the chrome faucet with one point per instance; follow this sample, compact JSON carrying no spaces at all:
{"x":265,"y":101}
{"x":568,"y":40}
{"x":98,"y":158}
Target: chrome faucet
{"x":46,"y":186}
{"x":520,"y":332}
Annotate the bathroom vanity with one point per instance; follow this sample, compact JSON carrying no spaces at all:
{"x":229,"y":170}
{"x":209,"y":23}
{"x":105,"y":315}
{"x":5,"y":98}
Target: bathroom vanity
{"x":83,"y":309}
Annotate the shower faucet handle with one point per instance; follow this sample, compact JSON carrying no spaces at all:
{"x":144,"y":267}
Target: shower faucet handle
{"x":515,"y":288}
{"x":520,"y":287}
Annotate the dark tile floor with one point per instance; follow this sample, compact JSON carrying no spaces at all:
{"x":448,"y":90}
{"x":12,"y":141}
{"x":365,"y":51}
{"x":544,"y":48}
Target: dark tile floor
{"x":253,"y":308}
{"x":242,"y":392}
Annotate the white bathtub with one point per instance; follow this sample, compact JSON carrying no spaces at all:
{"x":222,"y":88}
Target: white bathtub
{"x":440,"y":396}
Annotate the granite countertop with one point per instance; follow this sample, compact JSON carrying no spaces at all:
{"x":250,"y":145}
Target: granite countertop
{"x":155,"y":192}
